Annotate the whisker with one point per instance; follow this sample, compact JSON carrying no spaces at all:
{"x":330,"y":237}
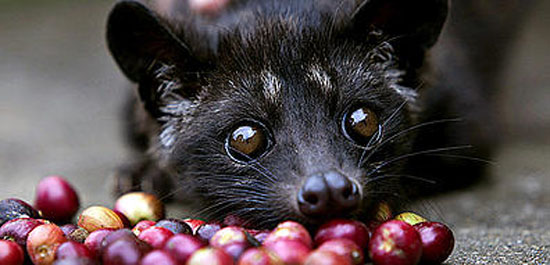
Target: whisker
{"x":394,"y":114}
{"x":470,"y":158}
{"x":429,"y":209}
{"x":268,"y":175}
{"x":246,"y":191}
{"x":379,"y":133}
{"x":421,"y":125}
{"x":217,"y":208}
{"x":208,"y":156}
{"x":261,"y":169}
{"x":408,"y":130}
{"x":423,"y":152}
{"x":367,"y":146}
{"x":261,"y":190}
{"x":393,"y":194}
{"x":414,"y":127}
{"x":170,"y":194}
{"x":377,"y":178}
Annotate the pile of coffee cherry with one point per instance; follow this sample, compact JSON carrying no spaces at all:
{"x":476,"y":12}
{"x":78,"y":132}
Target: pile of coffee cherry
{"x":135,"y":231}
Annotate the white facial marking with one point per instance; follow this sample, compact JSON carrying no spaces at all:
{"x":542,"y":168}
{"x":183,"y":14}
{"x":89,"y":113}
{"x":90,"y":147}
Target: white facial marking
{"x":272,"y":86}
{"x":394,"y":77}
{"x":407,"y":93}
{"x":176,"y":109}
{"x":319,"y":76}
{"x":168,"y":136}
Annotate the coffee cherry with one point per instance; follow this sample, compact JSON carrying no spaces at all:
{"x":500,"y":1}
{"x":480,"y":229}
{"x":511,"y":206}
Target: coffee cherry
{"x":158,"y":257}
{"x":142,"y":225}
{"x":291,"y":252}
{"x":340,"y":228}
{"x":75,"y":261}
{"x":290,"y":230}
{"x":410,"y":218}
{"x":155,"y":236}
{"x":395,"y":242}
{"x":231,"y":239}
{"x":42,"y":243}
{"x":258,"y":256}
{"x":56,"y":199}
{"x":124,"y":219}
{"x":18,"y":230}
{"x":259,"y":235}
{"x":14,"y":208}
{"x":71,"y":249}
{"x":344,"y":247}
{"x":382,"y":214}
{"x":437,"y":242}
{"x":228,"y":235}
{"x":99,"y":217}
{"x":93,"y":241}
{"x":74,"y":233}
{"x":79,"y":235}
{"x":139,"y":206}
{"x":323,"y":257}
{"x":11,"y":253}
{"x":182,"y":246}
{"x":194,"y":224}
{"x":209,"y":255}
{"x":116,"y":235}
{"x":124,"y":251}
{"x":68,"y":229}
{"x":207,"y":230}
{"x":175,"y":225}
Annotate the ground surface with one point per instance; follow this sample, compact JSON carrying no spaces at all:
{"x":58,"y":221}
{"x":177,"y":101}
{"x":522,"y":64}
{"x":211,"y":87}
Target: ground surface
{"x":60,"y":96}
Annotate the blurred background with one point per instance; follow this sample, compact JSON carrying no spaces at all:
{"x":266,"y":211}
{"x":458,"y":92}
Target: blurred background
{"x":61,"y":97}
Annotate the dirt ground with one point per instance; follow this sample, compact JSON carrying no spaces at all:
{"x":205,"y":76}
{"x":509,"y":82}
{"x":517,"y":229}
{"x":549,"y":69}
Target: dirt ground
{"x":61,"y":95}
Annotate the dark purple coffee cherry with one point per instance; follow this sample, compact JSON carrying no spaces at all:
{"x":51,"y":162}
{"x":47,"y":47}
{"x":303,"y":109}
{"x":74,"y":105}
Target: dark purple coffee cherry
{"x":14,"y":208}
{"x":75,"y":261}
{"x":71,"y":249}
{"x":207,"y":230}
{"x":124,"y":251}
{"x":175,"y":225}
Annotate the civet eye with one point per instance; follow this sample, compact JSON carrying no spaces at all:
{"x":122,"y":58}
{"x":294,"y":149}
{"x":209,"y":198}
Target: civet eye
{"x":247,"y":142}
{"x":361,"y":124}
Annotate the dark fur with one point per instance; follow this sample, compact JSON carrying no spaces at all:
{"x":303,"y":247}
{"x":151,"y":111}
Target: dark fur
{"x":200,"y":76}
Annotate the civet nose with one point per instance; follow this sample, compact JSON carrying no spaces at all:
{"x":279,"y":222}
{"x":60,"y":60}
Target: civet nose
{"x":328,"y":193}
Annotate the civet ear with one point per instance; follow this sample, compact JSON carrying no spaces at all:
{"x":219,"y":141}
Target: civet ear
{"x":138,"y":40}
{"x":413,"y":24}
